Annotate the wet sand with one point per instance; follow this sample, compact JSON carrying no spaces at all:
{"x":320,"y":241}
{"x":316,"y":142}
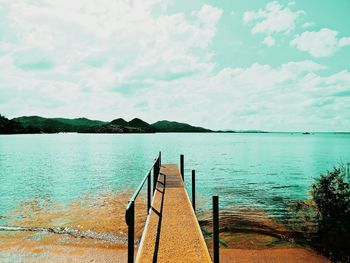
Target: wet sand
{"x":55,"y":248}
{"x":272,"y":255}
{"x":266,"y":240}
{"x":22,"y":247}
{"x":99,"y":214}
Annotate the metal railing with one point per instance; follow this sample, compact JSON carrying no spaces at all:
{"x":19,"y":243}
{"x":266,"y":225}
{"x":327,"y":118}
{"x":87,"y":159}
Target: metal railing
{"x":215,"y":210}
{"x":130,"y":208}
{"x":216,"y":230}
{"x":215,"y":204}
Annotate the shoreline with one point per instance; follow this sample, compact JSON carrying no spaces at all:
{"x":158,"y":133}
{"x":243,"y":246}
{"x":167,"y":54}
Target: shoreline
{"x":104,"y":213}
{"x":194,"y":132}
{"x":61,"y":249}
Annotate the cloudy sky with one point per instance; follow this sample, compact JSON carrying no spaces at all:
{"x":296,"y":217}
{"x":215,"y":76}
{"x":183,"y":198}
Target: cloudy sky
{"x":228,"y":64}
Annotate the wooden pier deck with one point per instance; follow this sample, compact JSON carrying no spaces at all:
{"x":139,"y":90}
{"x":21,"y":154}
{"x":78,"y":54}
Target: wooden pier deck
{"x":172,"y":232}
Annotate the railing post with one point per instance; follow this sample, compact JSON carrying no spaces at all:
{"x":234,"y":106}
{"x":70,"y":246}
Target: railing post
{"x":160,"y":158}
{"x":194,"y":190}
{"x":130,"y":209}
{"x":131,"y":230}
{"x":155,"y":176}
{"x":216,"y":229}
{"x":182,"y":167}
{"x":149,"y":190}
{"x":158,"y":163}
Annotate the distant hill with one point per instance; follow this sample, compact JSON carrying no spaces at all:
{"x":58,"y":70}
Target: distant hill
{"x":242,"y":131}
{"x":121,"y":126}
{"x":13,"y":127}
{"x":119,"y":122}
{"x":138,"y":123}
{"x":173,"y":126}
{"x":55,"y":125}
{"x":111,"y":128}
{"x":84,"y":125}
{"x":80,"y":122}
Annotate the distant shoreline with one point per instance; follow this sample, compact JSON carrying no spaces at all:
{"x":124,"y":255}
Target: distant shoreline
{"x":213,"y":132}
{"x":42,"y":125}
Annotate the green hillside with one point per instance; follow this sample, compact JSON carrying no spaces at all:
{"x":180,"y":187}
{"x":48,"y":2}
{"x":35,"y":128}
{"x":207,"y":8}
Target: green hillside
{"x":121,"y":126}
{"x":54,"y":125}
{"x":84,"y":125}
{"x":138,"y":123}
{"x":13,"y":127}
{"x":80,"y":122}
{"x":120,"y":122}
{"x":173,"y":126}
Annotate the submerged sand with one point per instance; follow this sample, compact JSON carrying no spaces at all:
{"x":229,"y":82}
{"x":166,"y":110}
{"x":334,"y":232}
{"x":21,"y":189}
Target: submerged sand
{"x":104,"y":213}
{"x":92,"y":229}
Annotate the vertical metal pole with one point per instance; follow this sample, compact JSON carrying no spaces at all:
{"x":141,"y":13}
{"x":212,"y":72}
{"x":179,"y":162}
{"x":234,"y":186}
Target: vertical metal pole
{"x":131,"y":231}
{"x":160,"y":158}
{"x":182,"y":167}
{"x":194,"y":190}
{"x":158,"y":164}
{"x":216,"y":228}
{"x":155,"y":176}
{"x":149,"y":189}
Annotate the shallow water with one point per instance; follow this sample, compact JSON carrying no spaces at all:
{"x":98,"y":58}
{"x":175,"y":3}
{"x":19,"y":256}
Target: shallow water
{"x":262,"y":172}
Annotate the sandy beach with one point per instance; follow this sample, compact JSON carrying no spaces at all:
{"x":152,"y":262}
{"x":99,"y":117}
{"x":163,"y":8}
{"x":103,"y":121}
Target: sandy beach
{"x":273,"y":255}
{"x":20,"y":247}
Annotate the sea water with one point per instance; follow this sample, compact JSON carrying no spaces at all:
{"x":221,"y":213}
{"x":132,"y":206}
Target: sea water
{"x":264,"y":171}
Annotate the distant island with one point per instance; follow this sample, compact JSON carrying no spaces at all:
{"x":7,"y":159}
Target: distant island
{"x":243,"y":131}
{"x":37,"y":124}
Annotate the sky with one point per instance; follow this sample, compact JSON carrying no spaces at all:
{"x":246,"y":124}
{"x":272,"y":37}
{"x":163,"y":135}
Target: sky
{"x":228,"y":64}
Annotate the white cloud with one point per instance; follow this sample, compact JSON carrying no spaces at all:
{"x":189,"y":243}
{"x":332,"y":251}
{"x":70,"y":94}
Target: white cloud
{"x":322,"y":43}
{"x":250,"y":16}
{"x":287,"y":97}
{"x":273,"y":19}
{"x":122,"y":59}
{"x":72,"y":33}
{"x":308,"y":24}
{"x":269,"y":41}
{"x":208,"y":14}
{"x":344,"y":41}
{"x":97,"y":54}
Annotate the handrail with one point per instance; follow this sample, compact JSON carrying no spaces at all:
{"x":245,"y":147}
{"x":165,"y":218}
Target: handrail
{"x":130,"y":208}
{"x":138,"y":190}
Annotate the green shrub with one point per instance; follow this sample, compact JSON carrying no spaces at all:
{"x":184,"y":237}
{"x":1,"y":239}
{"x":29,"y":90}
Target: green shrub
{"x":331,"y":194}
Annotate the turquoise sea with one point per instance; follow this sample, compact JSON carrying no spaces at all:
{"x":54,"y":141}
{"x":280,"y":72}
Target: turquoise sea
{"x":254,"y":171}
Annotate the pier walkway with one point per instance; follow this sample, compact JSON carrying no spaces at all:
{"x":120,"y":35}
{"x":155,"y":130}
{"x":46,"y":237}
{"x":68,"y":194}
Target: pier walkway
{"x":172,"y":232}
